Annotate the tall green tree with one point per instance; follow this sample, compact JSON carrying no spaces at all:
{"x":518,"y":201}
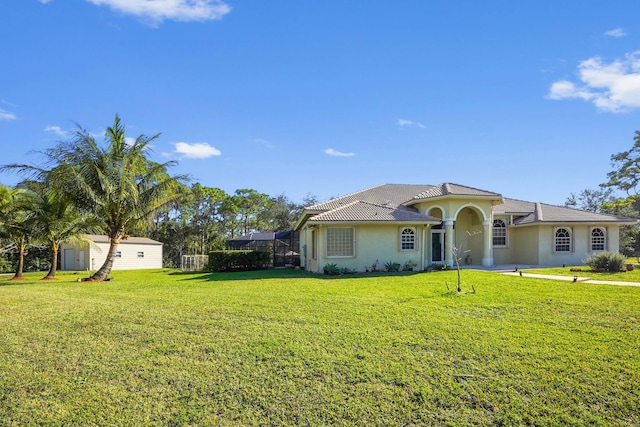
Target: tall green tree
{"x":209,"y":210}
{"x":118,"y":183}
{"x":56,"y":221}
{"x":625,"y":175}
{"x":590,"y":200}
{"x":16,"y":224}
{"x":279,"y":214}
{"x":250,"y":205}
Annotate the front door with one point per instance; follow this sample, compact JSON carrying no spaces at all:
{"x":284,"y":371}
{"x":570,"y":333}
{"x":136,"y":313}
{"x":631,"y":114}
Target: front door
{"x":69,"y":259}
{"x":437,"y":246}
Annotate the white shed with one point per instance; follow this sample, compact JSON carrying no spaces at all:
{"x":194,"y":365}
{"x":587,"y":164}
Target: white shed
{"x":134,"y":253}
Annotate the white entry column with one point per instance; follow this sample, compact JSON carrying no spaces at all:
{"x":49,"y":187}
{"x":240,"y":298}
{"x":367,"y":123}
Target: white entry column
{"x":448,"y":245}
{"x":487,"y":247}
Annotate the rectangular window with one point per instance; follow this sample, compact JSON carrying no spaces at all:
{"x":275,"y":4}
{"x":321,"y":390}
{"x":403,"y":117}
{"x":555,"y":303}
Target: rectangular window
{"x":340,"y":242}
{"x":118,"y":254}
{"x":140,"y":254}
{"x":314,"y":244}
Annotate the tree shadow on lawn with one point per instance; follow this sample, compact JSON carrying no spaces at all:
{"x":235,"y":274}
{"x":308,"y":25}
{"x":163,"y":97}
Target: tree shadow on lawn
{"x":284,"y":274}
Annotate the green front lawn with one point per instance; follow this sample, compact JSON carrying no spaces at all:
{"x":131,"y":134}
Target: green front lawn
{"x":585,"y":271}
{"x":288,"y":348}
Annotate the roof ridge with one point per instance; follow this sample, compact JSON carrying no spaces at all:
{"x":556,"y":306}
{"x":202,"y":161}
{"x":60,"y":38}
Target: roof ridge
{"x":346,"y":195}
{"x":471,"y":188}
{"x":538,"y":212}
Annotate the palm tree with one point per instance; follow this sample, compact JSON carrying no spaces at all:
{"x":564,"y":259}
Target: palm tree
{"x":16,"y":229}
{"x":56,"y":220}
{"x":118,"y":184}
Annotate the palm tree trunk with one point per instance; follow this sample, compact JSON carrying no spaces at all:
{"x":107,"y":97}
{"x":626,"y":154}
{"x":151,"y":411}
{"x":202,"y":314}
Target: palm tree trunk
{"x":21,"y":253}
{"x":104,"y":271}
{"x":54,"y":264}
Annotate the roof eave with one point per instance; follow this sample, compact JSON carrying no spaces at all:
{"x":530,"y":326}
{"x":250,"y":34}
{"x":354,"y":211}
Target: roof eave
{"x":543,"y":222}
{"x":420,"y":222}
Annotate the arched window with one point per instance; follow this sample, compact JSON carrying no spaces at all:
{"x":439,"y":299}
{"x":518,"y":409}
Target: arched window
{"x":499,"y":233}
{"x":408,"y":239}
{"x":563,"y":240}
{"x":598,"y":239}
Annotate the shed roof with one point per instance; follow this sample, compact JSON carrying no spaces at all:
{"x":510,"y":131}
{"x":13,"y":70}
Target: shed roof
{"x":99,"y":238}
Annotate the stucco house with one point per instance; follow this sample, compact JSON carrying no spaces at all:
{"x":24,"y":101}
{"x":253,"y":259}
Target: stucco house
{"x":422,"y":225}
{"x":134,"y":253}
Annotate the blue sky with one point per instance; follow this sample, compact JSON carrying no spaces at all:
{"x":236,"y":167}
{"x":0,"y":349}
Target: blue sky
{"x":528,"y":98}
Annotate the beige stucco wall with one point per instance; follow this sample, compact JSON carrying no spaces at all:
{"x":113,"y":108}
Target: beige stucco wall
{"x":96,"y":253}
{"x":468,"y":236}
{"x":535,"y":245}
{"x":526,"y":245}
{"x":373,"y":243}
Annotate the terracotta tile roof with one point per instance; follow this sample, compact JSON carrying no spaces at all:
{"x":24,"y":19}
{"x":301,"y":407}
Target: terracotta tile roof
{"x":391,"y":203}
{"x":99,"y":238}
{"x":450,"y":189}
{"x":529,"y":213}
{"x":384,"y":194}
{"x":359,"y":211}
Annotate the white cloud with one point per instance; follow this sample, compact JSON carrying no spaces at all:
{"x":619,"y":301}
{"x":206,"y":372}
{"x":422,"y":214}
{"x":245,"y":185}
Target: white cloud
{"x":263,"y":142}
{"x":57,"y":130}
{"x":334,"y":153}
{"x":406,"y":123}
{"x":44,"y":1}
{"x":616,"y":32}
{"x":6,"y":115}
{"x":179,"y":10}
{"x":198,"y":150}
{"x":612,"y":87}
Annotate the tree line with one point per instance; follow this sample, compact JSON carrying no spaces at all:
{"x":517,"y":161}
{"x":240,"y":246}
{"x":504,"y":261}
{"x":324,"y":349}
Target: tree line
{"x":82,"y":187}
{"x":624,"y":177}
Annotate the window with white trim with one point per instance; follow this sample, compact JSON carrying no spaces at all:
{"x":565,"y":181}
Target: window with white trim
{"x":118,"y":254}
{"x":563,"y":240}
{"x":140,"y":254}
{"x":598,"y":239}
{"x":340,"y":242}
{"x":408,"y":239}
{"x":499,"y":233}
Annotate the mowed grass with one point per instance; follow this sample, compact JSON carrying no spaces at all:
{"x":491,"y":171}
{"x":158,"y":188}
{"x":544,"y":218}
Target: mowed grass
{"x":583,"y":271}
{"x":161,"y":348}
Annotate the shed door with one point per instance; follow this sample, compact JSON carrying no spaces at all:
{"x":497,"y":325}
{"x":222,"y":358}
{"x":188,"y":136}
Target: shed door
{"x":69,"y":259}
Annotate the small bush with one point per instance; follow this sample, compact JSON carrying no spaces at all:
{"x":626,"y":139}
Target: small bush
{"x":331,"y":269}
{"x":607,"y":261}
{"x":391,"y":266}
{"x":409,"y":266}
{"x":437,"y":267}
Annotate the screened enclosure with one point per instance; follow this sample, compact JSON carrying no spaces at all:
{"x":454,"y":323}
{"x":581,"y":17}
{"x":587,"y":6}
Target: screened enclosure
{"x":284,"y":246}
